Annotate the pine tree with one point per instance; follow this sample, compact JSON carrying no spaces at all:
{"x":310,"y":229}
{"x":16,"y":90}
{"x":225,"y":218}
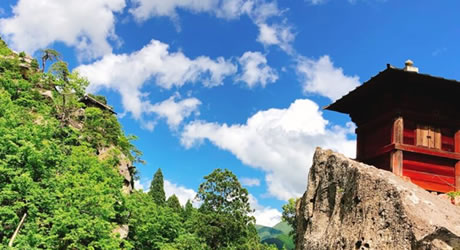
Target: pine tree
{"x":188,"y":209}
{"x":173,"y":203}
{"x":157,"y":191}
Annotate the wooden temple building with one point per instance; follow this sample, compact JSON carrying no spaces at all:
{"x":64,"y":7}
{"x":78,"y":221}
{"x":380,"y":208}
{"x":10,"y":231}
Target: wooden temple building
{"x":408,"y":123}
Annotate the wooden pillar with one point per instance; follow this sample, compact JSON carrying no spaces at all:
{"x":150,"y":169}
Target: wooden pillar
{"x":396,"y":157}
{"x":396,"y":162}
{"x":398,"y":131}
{"x":457,"y":176}
{"x":457,"y":165}
{"x":457,"y":142}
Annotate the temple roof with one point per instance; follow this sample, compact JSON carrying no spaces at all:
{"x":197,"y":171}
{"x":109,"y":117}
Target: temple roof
{"x":393,"y":80}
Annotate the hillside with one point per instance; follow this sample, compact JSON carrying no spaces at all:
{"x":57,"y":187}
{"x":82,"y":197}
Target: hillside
{"x":277,"y":235}
{"x":65,"y":162}
{"x":66,"y":174}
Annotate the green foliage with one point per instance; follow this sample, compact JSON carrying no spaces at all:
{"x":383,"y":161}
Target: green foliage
{"x":453,"y":194}
{"x":225,"y":211}
{"x":4,"y":50}
{"x":101,"y":128}
{"x":72,"y":197}
{"x":151,"y":226}
{"x":284,"y":227}
{"x":99,"y":98}
{"x":174,"y":204}
{"x":157,"y":191}
{"x":49,"y":55}
{"x":289,"y":215}
{"x":277,"y":235}
{"x":58,"y":164}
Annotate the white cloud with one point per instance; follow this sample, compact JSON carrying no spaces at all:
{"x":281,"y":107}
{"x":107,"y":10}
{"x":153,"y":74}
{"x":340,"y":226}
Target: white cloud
{"x":258,"y":10}
{"x":128,"y":73}
{"x":281,"y":142}
{"x":229,"y":9}
{"x":183,"y":193}
{"x":175,"y":112}
{"x":85,"y":24}
{"x":250,"y":182}
{"x":141,"y":186}
{"x":276,"y":34}
{"x":321,"y":77}
{"x":265,"y":216}
{"x":255,"y":70}
{"x":316,"y":2}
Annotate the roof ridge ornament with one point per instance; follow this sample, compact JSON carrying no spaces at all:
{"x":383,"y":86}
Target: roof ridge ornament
{"x":409,"y":66}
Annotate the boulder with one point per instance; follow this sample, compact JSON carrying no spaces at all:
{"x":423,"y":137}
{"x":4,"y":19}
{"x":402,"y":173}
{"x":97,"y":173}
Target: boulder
{"x":351,"y":205}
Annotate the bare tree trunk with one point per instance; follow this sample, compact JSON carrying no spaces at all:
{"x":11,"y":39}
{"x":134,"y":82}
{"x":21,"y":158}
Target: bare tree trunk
{"x":17,"y":230}
{"x":43,"y":65}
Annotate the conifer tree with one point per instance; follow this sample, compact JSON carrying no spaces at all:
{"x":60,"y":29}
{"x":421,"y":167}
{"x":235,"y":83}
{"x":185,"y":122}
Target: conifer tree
{"x":173,"y":203}
{"x":188,"y":209}
{"x":157,"y":191}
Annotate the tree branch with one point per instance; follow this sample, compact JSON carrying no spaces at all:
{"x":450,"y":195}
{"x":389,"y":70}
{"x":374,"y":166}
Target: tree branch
{"x":17,"y":230}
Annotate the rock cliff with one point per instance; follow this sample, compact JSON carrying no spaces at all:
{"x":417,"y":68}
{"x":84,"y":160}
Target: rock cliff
{"x":351,"y":205}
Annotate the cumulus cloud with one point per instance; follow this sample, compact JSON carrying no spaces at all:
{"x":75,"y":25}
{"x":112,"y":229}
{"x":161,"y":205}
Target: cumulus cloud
{"x":175,"y":112}
{"x":321,"y":77}
{"x":229,"y":9}
{"x":154,"y":63}
{"x":255,"y":70}
{"x":280,"y":142}
{"x":276,"y":34}
{"x":183,"y":193}
{"x":87,"y":25}
{"x":259,"y":11}
{"x":316,"y":2}
{"x":265,"y":216}
{"x":250,"y":182}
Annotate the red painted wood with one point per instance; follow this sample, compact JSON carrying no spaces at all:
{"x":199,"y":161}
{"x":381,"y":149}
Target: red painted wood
{"x":428,"y":151}
{"x":433,"y":186}
{"x":409,"y":133}
{"x":447,"y":140}
{"x":429,"y":159}
{"x":457,"y":176}
{"x":416,"y":175}
{"x":429,"y":168}
{"x":409,"y":136}
{"x":371,"y":141}
{"x":378,"y":152}
{"x":457,"y":141}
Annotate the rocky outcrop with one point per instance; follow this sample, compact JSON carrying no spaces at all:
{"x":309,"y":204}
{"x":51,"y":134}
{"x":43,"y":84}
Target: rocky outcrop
{"x":351,"y":205}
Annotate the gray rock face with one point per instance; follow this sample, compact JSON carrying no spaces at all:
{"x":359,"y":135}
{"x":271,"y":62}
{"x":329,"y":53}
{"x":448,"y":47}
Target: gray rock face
{"x":351,"y":205}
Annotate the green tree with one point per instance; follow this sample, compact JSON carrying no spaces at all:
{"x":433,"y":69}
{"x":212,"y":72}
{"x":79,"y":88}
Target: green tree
{"x":289,"y":216}
{"x":225,"y":218}
{"x":157,"y":191}
{"x":49,"y":55}
{"x":72,"y":197}
{"x":151,"y":226}
{"x":174,"y":204}
{"x":188,"y":210}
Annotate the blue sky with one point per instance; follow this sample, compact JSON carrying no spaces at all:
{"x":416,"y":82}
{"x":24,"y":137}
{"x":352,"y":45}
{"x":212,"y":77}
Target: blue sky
{"x":237,"y":84}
